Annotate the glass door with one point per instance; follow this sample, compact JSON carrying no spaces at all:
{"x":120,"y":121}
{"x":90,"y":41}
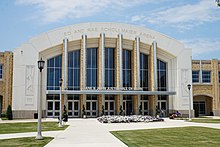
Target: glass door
{"x":109,"y":105}
{"x":92,"y":106}
{"x":128,"y":105}
{"x":73,"y":105}
{"x":162,"y":105}
{"x":73,"y":108}
{"x":53,"y":107}
{"x":144,"y":107}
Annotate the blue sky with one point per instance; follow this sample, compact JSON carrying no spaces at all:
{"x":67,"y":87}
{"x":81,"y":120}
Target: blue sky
{"x":196,"y":23}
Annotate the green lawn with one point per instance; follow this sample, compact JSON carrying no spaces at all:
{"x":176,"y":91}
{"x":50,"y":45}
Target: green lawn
{"x":7,"y":128}
{"x":167,"y":137}
{"x":205,"y":120}
{"x":25,"y":142}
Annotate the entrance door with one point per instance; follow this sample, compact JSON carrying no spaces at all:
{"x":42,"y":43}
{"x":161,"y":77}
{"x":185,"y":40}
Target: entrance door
{"x":162,"y":105}
{"x":199,"y":107}
{"x":53,"y":107}
{"x":73,"y":108}
{"x":128,"y":105}
{"x":73,"y":105}
{"x":109,"y":105}
{"x":92,"y":106}
{"x":144,"y":107}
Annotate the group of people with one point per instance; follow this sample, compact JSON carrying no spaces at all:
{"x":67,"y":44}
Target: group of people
{"x":175,"y":115}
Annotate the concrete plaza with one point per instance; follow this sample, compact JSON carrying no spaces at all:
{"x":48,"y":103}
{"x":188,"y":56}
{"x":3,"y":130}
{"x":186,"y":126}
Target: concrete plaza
{"x":89,"y":132}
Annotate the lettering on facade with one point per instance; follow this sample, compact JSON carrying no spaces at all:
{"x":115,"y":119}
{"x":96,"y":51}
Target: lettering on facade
{"x":29,"y":80}
{"x":111,"y":88}
{"x":110,"y":30}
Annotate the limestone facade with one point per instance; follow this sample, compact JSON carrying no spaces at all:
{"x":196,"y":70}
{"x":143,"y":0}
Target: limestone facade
{"x":100,"y":36}
{"x":6,"y":63}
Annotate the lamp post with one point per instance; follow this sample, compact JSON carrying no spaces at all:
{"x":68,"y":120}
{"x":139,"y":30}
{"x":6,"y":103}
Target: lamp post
{"x":39,"y":105}
{"x":189,"y":87}
{"x":60,"y":117}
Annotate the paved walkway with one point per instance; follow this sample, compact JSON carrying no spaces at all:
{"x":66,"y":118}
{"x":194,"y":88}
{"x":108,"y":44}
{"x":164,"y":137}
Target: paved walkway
{"x":84,"y":133}
{"x":89,"y":132}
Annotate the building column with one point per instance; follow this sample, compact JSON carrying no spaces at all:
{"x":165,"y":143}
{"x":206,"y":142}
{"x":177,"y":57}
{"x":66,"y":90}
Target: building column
{"x":101,"y":70}
{"x":136,"y":64}
{"x":136,"y":73}
{"x":153,"y":77}
{"x":119,"y":71}
{"x":65,"y":68}
{"x":83,"y":62}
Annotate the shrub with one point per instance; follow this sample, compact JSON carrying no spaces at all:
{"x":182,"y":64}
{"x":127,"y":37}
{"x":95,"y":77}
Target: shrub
{"x":9,"y":113}
{"x":3,"y":115}
{"x":121,"y":110}
{"x":103,"y":110}
{"x":140,"y":110}
{"x":83,"y":110}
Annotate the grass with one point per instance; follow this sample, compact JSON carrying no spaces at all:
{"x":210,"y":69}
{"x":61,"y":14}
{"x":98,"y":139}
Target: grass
{"x":7,"y":128}
{"x":205,"y":120}
{"x":25,"y":142}
{"x":167,"y":137}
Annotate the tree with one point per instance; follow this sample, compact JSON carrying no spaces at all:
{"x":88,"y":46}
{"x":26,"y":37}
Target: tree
{"x":140,"y":109}
{"x":65,"y":115}
{"x":9,"y":113}
{"x":121,"y":110}
{"x":103,"y":110}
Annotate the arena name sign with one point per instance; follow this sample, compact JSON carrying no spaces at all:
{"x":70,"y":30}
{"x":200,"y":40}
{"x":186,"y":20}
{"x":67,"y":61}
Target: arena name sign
{"x":110,"y":30}
{"x":111,"y":88}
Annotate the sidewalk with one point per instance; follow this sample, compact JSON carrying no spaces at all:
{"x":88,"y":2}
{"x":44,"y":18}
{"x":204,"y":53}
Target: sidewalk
{"x":30,"y":134}
{"x":84,"y":133}
{"x":89,"y":132}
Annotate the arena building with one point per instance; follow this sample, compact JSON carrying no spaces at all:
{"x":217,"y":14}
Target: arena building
{"x":108,"y":67}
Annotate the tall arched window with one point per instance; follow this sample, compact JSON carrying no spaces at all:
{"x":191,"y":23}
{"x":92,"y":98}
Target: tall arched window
{"x":74,"y":70}
{"x":144,"y":71}
{"x":109,"y":67}
{"x":54,"y":72}
{"x":91,"y":80}
{"x":127,"y":77}
{"x":161,"y":75}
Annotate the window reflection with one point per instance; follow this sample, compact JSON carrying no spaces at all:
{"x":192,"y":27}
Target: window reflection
{"x":91,"y":67}
{"x":126,"y":61}
{"x":161,"y":75}
{"x":74,"y":70}
{"x":54,"y":72}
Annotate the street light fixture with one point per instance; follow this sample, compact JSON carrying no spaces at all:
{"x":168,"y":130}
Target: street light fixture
{"x":60,"y":117}
{"x":189,"y":87}
{"x":39,"y":105}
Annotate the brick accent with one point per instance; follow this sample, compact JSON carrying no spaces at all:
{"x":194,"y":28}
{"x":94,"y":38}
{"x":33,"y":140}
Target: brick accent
{"x":6,"y":59}
{"x":208,"y":92}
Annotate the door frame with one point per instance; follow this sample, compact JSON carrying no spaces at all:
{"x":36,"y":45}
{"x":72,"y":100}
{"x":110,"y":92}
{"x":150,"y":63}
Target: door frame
{"x":73,"y":108}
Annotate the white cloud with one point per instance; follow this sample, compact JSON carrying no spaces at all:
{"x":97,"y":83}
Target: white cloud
{"x":186,"y":16}
{"x":55,"y":10}
{"x":201,"y":46}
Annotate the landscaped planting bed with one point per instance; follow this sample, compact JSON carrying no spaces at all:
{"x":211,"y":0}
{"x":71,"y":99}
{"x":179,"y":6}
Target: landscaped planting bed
{"x":127,"y":119}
